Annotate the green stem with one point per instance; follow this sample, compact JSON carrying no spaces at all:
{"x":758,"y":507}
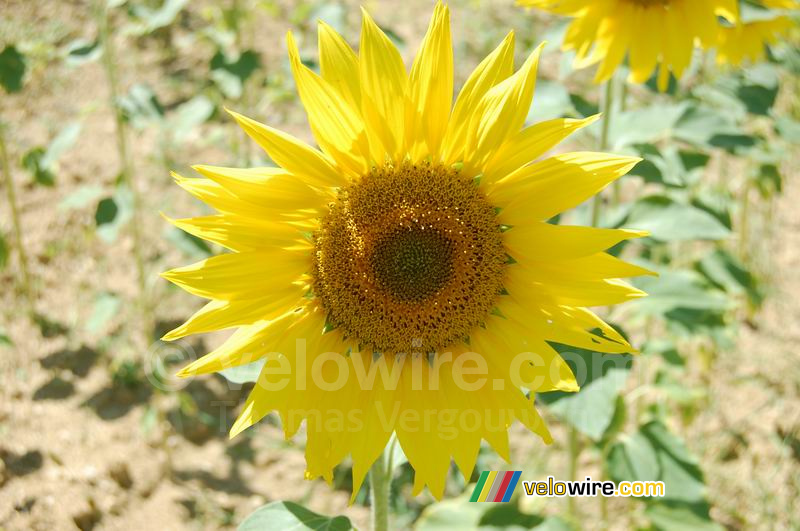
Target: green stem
{"x":744,"y":223}
{"x":17,"y":225}
{"x":623,"y":103}
{"x":126,"y":163}
{"x":572,"y":470}
{"x":380,"y":483}
{"x":608,"y":104}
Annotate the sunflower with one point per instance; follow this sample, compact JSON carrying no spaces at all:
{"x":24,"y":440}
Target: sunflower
{"x":651,"y":33}
{"x":405,"y":274}
{"x":743,"y":41}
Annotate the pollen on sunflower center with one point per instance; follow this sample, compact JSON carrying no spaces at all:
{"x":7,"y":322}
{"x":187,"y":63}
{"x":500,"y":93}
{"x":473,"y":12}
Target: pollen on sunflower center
{"x":408,"y":258}
{"x":413,"y":263}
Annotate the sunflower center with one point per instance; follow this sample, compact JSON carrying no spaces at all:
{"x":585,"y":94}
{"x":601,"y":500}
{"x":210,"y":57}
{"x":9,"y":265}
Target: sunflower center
{"x":409,"y":257}
{"x":413,"y":263}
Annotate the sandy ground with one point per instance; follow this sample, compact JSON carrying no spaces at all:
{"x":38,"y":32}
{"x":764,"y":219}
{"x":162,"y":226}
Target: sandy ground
{"x":82,"y":448}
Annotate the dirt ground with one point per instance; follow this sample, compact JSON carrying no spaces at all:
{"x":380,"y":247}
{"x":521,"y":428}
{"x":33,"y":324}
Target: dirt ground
{"x":87,"y":442}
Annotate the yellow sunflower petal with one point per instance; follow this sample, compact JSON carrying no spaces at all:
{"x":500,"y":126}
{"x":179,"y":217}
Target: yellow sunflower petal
{"x":531,"y":240}
{"x":497,"y":66}
{"x":338,"y":65}
{"x":549,"y":187}
{"x":243,"y":234}
{"x":219,"y":315}
{"x":337,"y":129}
{"x":271,"y":188}
{"x":252,"y":342}
{"x":218,"y":197}
{"x":230,"y":276}
{"x":530,"y":144}
{"x":431,"y":88}
{"x":292,"y":154}
{"x":384,"y":88}
{"x":501,"y":113}
{"x":593,"y":267}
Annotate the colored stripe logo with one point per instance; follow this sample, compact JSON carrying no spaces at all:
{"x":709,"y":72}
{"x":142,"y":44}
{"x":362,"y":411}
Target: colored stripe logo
{"x":495,"y":486}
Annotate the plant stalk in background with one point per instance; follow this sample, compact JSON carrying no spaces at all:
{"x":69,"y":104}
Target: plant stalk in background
{"x":126,"y":169}
{"x":17,"y":225}
{"x":608,"y":104}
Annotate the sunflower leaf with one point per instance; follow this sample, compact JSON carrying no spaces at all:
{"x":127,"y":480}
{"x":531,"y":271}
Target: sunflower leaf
{"x":655,"y":454}
{"x":669,"y":220}
{"x":282,"y":515}
{"x":12,"y":69}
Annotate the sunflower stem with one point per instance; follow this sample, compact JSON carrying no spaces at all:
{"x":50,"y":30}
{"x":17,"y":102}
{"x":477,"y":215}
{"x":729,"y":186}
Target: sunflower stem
{"x":379,"y":484}
{"x":126,"y":163}
{"x":623,"y":100}
{"x":8,"y":179}
{"x":572,"y":470}
{"x":608,"y":104}
{"x":744,"y":223}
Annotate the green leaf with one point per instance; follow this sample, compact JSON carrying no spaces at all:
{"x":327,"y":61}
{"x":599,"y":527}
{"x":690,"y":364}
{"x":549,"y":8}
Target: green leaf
{"x":726,"y":272}
{"x":244,"y":373}
{"x":668,"y":220}
{"x":555,"y":523}
{"x":788,"y":128}
{"x":81,"y":51}
{"x":671,"y":167}
{"x":153,"y":19}
{"x":141,"y":106}
{"x":32,"y":161}
{"x":5,"y":341}
{"x":666,"y":349}
{"x":457,"y":513}
{"x":5,"y":251}
{"x":508,"y":515}
{"x":645,"y":126}
{"x":189,"y":115}
{"x":655,"y":454}
{"x":113,"y":213}
{"x":81,"y":198}
{"x":768,"y":180}
{"x":707,"y":127}
{"x":42,"y":163}
{"x":12,"y":69}
{"x":674,"y":290}
{"x":600,"y":377}
{"x":63,"y":141}
{"x":230,"y":75}
{"x":190,"y":244}
{"x":551,"y":100}
{"x":285,"y":515}
{"x":680,"y":517}
{"x":106,"y":306}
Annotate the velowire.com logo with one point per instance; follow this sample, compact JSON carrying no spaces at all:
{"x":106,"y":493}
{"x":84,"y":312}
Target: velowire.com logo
{"x":495,"y":486}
